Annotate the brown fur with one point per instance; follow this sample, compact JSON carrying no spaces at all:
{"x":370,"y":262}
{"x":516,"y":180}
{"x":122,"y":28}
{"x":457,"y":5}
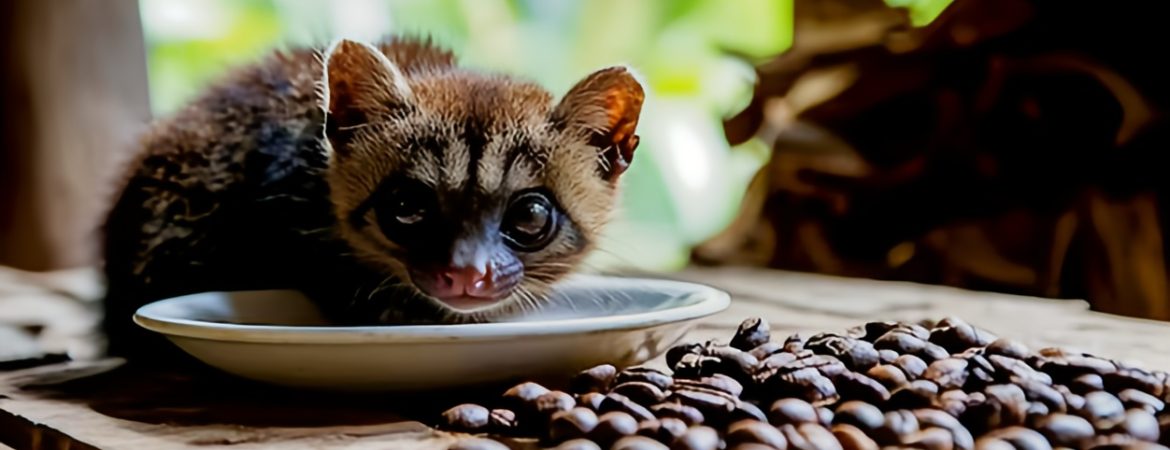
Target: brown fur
{"x":260,"y":183}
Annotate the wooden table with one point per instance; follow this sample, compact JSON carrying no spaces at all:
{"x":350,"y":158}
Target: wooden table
{"x":101,"y":405}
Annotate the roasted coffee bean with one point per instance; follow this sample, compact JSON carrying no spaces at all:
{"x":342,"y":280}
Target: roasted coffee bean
{"x":958,"y":336}
{"x":809,"y":436}
{"x":792,"y":411}
{"x":862,"y":415}
{"x":698,"y":438}
{"x":825,"y":416}
{"x":794,"y":343}
{"x":917,"y":394}
{"x":693,"y":365}
{"x":638,"y":443}
{"x":912,"y":366}
{"x":595,"y":379}
{"x":467,"y":417}
{"x":931,"y":353}
{"x":1131,"y":378}
{"x":872,"y":331}
{"x":1035,"y":410}
{"x":718,"y":382}
{"x":751,"y":333}
{"x":953,"y":402}
{"x":676,"y":353}
{"x":612,"y":426}
{"x":554,"y":402}
{"x":1020,"y":438}
{"x":947,"y":373}
{"x":715,"y":406}
{"x":502,"y":421}
{"x":852,"y":438}
{"x":687,"y":414}
{"x":1064,"y":368}
{"x":896,"y":427}
{"x":1008,"y":348}
{"x":1066,"y":430}
{"x":521,"y":398}
{"x":986,"y":443}
{"x":578,"y":444}
{"x":767,"y":349}
{"x":930,"y":439}
{"x":853,"y":353}
{"x":807,"y":384}
{"x":572,"y":424}
{"x":1135,"y":399}
{"x":640,"y":392}
{"x":477,"y":443}
{"x":748,"y":411}
{"x":1087,"y":383}
{"x":644,"y":374}
{"x":591,"y":400}
{"x":620,"y":403}
{"x":889,"y":376}
{"x":887,"y":356}
{"x":958,"y":435}
{"x":753,"y":431}
{"x":733,"y":362}
{"x":778,"y":365}
{"x":662,"y":430}
{"x":854,"y":386}
{"x":777,"y":362}
{"x":1036,"y":391}
{"x":901,"y":341}
{"x":1102,"y":409}
{"x":1139,"y":424}
{"x":1003,"y":405}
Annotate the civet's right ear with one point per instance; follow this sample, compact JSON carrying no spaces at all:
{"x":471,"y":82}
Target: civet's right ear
{"x":361,"y":85}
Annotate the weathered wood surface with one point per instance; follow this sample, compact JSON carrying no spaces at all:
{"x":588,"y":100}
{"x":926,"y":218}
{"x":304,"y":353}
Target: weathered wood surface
{"x":66,"y":406}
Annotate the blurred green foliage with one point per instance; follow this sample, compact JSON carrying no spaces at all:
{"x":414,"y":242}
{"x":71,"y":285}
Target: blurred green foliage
{"x":685,"y":183}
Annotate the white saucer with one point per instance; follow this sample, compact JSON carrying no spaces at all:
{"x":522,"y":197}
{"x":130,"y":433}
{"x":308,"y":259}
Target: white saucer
{"x":278,"y":337}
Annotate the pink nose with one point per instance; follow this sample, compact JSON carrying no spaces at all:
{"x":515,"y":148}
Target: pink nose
{"x":462,"y":282}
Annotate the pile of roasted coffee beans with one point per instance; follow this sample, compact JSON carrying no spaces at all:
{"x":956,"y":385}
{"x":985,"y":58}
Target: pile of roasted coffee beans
{"x":945,"y":385}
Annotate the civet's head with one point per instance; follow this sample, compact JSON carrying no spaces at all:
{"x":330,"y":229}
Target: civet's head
{"x":480,"y":190}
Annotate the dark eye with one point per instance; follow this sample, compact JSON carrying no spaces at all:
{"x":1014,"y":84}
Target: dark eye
{"x":403,"y":205}
{"x":530,"y":222}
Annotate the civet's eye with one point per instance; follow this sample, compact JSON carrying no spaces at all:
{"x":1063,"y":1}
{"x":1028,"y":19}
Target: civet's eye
{"x":406,"y":204}
{"x":530,"y":222}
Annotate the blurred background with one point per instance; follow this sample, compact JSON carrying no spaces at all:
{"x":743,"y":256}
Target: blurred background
{"x":1005,"y":145}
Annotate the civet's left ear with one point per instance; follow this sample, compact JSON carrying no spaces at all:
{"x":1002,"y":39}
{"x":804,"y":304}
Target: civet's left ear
{"x":606,"y":104}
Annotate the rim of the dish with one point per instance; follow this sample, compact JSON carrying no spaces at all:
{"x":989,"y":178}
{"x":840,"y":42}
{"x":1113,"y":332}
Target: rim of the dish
{"x":711,"y":301}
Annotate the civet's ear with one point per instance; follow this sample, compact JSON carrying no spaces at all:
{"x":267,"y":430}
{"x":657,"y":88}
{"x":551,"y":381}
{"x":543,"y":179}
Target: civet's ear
{"x":361,"y":84}
{"x":606,"y":104}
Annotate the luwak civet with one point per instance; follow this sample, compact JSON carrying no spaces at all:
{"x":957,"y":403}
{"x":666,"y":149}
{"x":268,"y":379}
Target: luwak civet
{"x":383,"y":180}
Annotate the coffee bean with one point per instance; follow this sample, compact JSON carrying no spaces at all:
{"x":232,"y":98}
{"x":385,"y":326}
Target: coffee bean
{"x":502,"y":421}
{"x":930,"y":439}
{"x":612,"y":426}
{"x":1135,"y":399}
{"x":794,"y":343}
{"x":687,"y":414}
{"x":1131,"y":378}
{"x":862,"y":415}
{"x":777,"y":365}
{"x":947,"y":373}
{"x":1008,"y":348}
{"x":792,"y":411}
{"x":853,"y":353}
{"x":638,"y":443}
{"x":807,"y":384}
{"x":958,"y":336}
{"x":1066,"y":430}
{"x":852,"y":438}
{"x":901,"y":341}
{"x":751,"y":333}
{"x":1036,"y":391}
{"x":640,"y":392}
{"x":887,"y":356}
{"x":1035,"y":410}
{"x":521,"y":398}
{"x":958,"y":435}
{"x":674,"y":354}
{"x":896,"y":427}
{"x":476,"y":443}
{"x":889,"y":376}
{"x":1064,"y":368}
{"x":572,"y":424}
{"x":917,"y":394}
{"x":693,"y":365}
{"x":1102,"y":408}
{"x":767,"y":349}
{"x":986,"y":443}
{"x":953,"y":402}
{"x":746,"y":411}
{"x":718,"y":382}
{"x":468,"y":417}
{"x":591,"y":400}
{"x":1021,"y":438}
{"x":872,"y":331}
{"x":620,"y":403}
{"x":911,"y":365}
{"x":595,"y":379}
{"x":644,"y":374}
{"x":733,"y":362}
{"x":809,"y":436}
{"x":554,"y":402}
{"x":854,"y":386}
{"x":931,"y":353}
{"x":662,"y":430}
{"x":715,"y":406}
{"x":578,"y":444}
{"x":753,"y":431}
{"x":825,"y":416}
{"x":698,"y":438}
{"x":1087,"y":383}
{"x":1139,"y":424}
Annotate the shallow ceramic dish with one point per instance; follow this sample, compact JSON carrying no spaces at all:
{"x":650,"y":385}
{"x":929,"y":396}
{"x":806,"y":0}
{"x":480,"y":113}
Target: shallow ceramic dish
{"x":278,"y":337}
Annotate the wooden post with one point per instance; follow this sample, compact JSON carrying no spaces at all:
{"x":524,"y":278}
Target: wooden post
{"x":73,"y":95}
